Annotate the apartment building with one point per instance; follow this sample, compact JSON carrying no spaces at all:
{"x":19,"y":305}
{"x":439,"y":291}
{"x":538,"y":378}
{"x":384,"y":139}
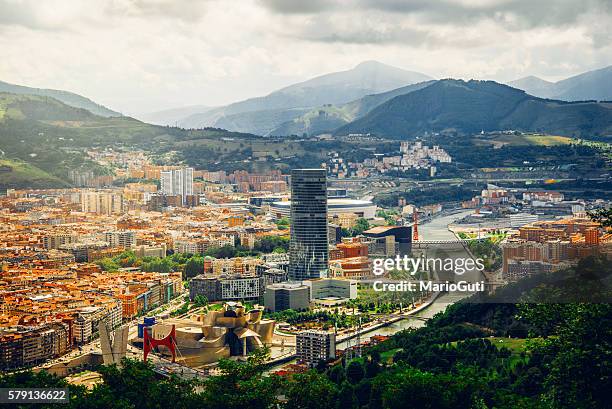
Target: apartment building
{"x":26,"y":346}
{"x":102,"y":203}
{"x":227,"y":287}
{"x":313,"y":346}
{"x":125,"y":239}
{"x":177,"y":182}
{"x":55,"y":241}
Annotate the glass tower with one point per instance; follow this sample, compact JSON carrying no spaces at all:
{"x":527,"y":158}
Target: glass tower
{"x":308,"y":246}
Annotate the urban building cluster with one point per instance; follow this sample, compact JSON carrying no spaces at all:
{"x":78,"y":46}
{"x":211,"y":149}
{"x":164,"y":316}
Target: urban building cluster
{"x":412,"y":155}
{"x":56,"y":246}
{"x":49,"y":309}
{"x":53,"y":291}
{"x":496,"y":201}
{"x":544,"y":246}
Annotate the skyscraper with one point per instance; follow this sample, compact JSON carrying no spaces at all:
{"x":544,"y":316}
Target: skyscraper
{"x":178,"y":182}
{"x":308,"y":246}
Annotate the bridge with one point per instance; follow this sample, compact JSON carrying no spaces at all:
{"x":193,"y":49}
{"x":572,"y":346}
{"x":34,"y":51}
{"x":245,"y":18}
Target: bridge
{"x":443,"y":244}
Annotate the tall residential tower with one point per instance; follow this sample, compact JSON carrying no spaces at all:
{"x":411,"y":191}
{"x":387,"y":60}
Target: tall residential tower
{"x":308,"y":252}
{"x":178,"y":182}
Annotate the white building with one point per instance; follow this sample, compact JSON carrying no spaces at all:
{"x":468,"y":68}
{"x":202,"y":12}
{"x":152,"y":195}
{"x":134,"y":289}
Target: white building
{"x":335,"y":207}
{"x":178,"y":182}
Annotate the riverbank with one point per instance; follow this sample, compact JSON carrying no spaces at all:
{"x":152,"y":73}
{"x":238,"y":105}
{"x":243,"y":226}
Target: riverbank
{"x":364,"y":331}
{"x":390,"y":321}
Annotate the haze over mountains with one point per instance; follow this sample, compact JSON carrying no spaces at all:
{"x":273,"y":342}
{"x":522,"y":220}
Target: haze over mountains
{"x":330,"y":101}
{"x":68,"y":98}
{"x":330,"y":117}
{"x":261,"y":115}
{"x":591,"y":85}
{"x":362,"y":97}
{"x":172,"y":116}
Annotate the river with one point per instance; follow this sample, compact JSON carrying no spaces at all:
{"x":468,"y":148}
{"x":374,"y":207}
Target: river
{"x":436,"y":229}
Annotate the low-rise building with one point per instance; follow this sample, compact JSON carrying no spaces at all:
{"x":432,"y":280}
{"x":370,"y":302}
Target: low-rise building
{"x":284,"y":296}
{"x":227,"y":288}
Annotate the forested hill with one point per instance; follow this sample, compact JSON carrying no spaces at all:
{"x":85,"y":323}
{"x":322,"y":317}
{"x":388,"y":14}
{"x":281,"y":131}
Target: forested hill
{"x":68,"y":98}
{"x":42,"y":139}
{"x":474,"y":106}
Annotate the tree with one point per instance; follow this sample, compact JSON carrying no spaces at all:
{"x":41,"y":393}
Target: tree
{"x":346,"y":397}
{"x":200,"y":301}
{"x":603,"y":216}
{"x":268,"y":244}
{"x":361,"y":225}
{"x":311,"y":390}
{"x":282,"y":224}
{"x":194,"y":266}
{"x":336,"y":374}
{"x":241,"y":385}
{"x":354,"y":372}
{"x":107,"y":264}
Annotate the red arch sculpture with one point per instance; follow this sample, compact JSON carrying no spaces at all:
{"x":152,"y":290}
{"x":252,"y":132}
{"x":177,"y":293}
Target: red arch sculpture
{"x":149,"y":343}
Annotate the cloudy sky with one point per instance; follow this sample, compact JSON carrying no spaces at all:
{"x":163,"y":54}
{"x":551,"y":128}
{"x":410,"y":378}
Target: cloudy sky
{"x":139,"y":56}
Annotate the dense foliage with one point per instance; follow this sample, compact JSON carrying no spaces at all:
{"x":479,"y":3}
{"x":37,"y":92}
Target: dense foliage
{"x":191,"y":264}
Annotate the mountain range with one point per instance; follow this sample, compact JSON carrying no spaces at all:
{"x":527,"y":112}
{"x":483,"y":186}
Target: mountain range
{"x":329,"y":117}
{"x":592,"y":85}
{"x":325,"y":103}
{"x":68,"y":98}
{"x":42,"y":139}
{"x":474,"y":106}
{"x":262,"y":115}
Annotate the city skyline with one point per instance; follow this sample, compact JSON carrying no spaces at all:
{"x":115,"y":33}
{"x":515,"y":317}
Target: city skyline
{"x":365,"y":204}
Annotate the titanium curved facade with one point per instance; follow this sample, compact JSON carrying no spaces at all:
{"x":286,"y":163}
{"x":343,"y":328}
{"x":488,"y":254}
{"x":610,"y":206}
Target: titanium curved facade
{"x":308,"y":246}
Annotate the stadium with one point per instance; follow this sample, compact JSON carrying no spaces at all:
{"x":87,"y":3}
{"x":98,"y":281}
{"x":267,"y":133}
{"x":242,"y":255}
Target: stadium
{"x":362,"y":208}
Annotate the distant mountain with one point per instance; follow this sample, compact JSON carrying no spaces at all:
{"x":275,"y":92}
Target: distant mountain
{"x":591,"y":85}
{"x":336,"y":88}
{"x":172,"y":116}
{"x":472,"y":106}
{"x":328,"y":117}
{"x":68,"y":98}
{"x":532,"y":85}
{"x":258,"y":122}
{"x":595,"y":85}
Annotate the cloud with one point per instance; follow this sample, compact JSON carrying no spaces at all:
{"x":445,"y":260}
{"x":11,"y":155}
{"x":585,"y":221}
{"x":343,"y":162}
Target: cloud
{"x":62,"y":14}
{"x":301,"y":7}
{"x":138,"y":56}
{"x":512,"y":15}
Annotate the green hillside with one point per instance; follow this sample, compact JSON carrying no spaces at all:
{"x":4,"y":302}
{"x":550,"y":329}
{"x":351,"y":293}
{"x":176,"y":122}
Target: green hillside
{"x":68,"y":98}
{"x":469,"y":107}
{"x":16,"y":174}
{"x":53,"y":137}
